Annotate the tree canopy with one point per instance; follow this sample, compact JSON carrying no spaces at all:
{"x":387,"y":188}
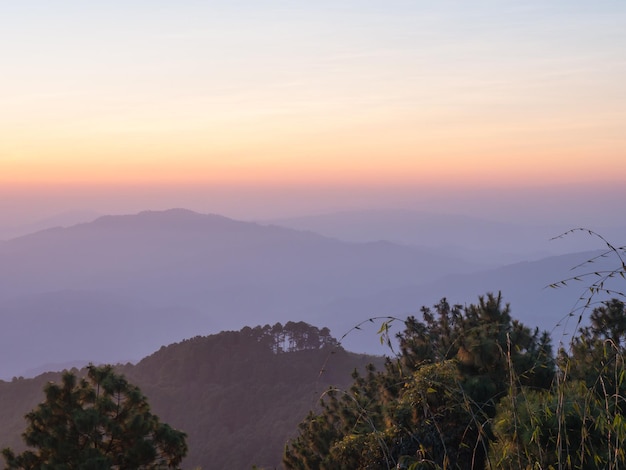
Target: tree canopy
{"x":434,"y":404}
{"x":97,"y":422}
{"x":472,"y":388}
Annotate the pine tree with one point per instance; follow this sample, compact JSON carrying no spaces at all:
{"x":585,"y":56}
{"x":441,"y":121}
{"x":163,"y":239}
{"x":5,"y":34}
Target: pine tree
{"x":97,"y":422}
{"x":432,"y":407}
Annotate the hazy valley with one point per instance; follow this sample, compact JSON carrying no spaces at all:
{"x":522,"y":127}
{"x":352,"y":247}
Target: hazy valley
{"x":119,"y":287}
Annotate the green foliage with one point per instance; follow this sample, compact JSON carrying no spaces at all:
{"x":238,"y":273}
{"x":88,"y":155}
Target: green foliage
{"x":485,"y":340}
{"x":98,"y":422}
{"x":433,"y":406}
{"x":563,"y":428}
{"x":473,"y":388}
{"x":579,"y":423}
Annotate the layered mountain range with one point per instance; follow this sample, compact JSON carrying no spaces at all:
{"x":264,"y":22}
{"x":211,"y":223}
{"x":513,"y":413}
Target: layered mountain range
{"x":121,"y":286}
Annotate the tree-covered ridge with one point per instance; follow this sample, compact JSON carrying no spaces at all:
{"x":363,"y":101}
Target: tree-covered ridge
{"x":235,"y":394}
{"x":238,"y":397}
{"x":472,"y":388}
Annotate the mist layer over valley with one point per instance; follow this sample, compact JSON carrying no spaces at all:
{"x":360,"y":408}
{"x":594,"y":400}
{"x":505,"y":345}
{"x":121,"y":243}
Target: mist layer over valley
{"x":119,"y":287}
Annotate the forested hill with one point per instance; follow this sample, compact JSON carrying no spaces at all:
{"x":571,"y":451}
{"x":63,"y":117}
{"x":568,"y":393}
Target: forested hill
{"x":238,"y":395}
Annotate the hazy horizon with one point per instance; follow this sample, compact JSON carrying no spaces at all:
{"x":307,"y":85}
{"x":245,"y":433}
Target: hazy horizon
{"x":575,"y":205}
{"x":505,"y":110}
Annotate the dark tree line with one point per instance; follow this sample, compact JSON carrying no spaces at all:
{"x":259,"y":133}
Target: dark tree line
{"x":291,"y":337}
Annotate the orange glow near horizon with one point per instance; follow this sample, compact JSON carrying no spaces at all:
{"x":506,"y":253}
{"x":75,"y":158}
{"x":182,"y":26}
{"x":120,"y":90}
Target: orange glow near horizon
{"x":369,"y":102}
{"x":356,"y":159}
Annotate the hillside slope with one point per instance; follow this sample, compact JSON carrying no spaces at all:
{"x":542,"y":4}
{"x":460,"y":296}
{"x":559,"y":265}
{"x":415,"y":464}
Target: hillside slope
{"x":238,"y":395}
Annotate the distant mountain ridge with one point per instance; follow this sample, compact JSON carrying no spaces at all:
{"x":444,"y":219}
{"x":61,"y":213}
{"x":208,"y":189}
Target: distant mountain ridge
{"x":477,"y":239}
{"x":64,"y":219}
{"x":172,"y":274}
{"x":525,"y":285}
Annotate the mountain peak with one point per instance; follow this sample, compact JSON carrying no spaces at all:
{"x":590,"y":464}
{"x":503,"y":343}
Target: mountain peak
{"x":160,"y":219}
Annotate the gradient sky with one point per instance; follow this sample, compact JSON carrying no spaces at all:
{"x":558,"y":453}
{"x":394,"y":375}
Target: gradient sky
{"x":240,"y":95}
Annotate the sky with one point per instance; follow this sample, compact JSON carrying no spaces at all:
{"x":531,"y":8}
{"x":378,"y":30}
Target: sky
{"x":273,"y":108}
